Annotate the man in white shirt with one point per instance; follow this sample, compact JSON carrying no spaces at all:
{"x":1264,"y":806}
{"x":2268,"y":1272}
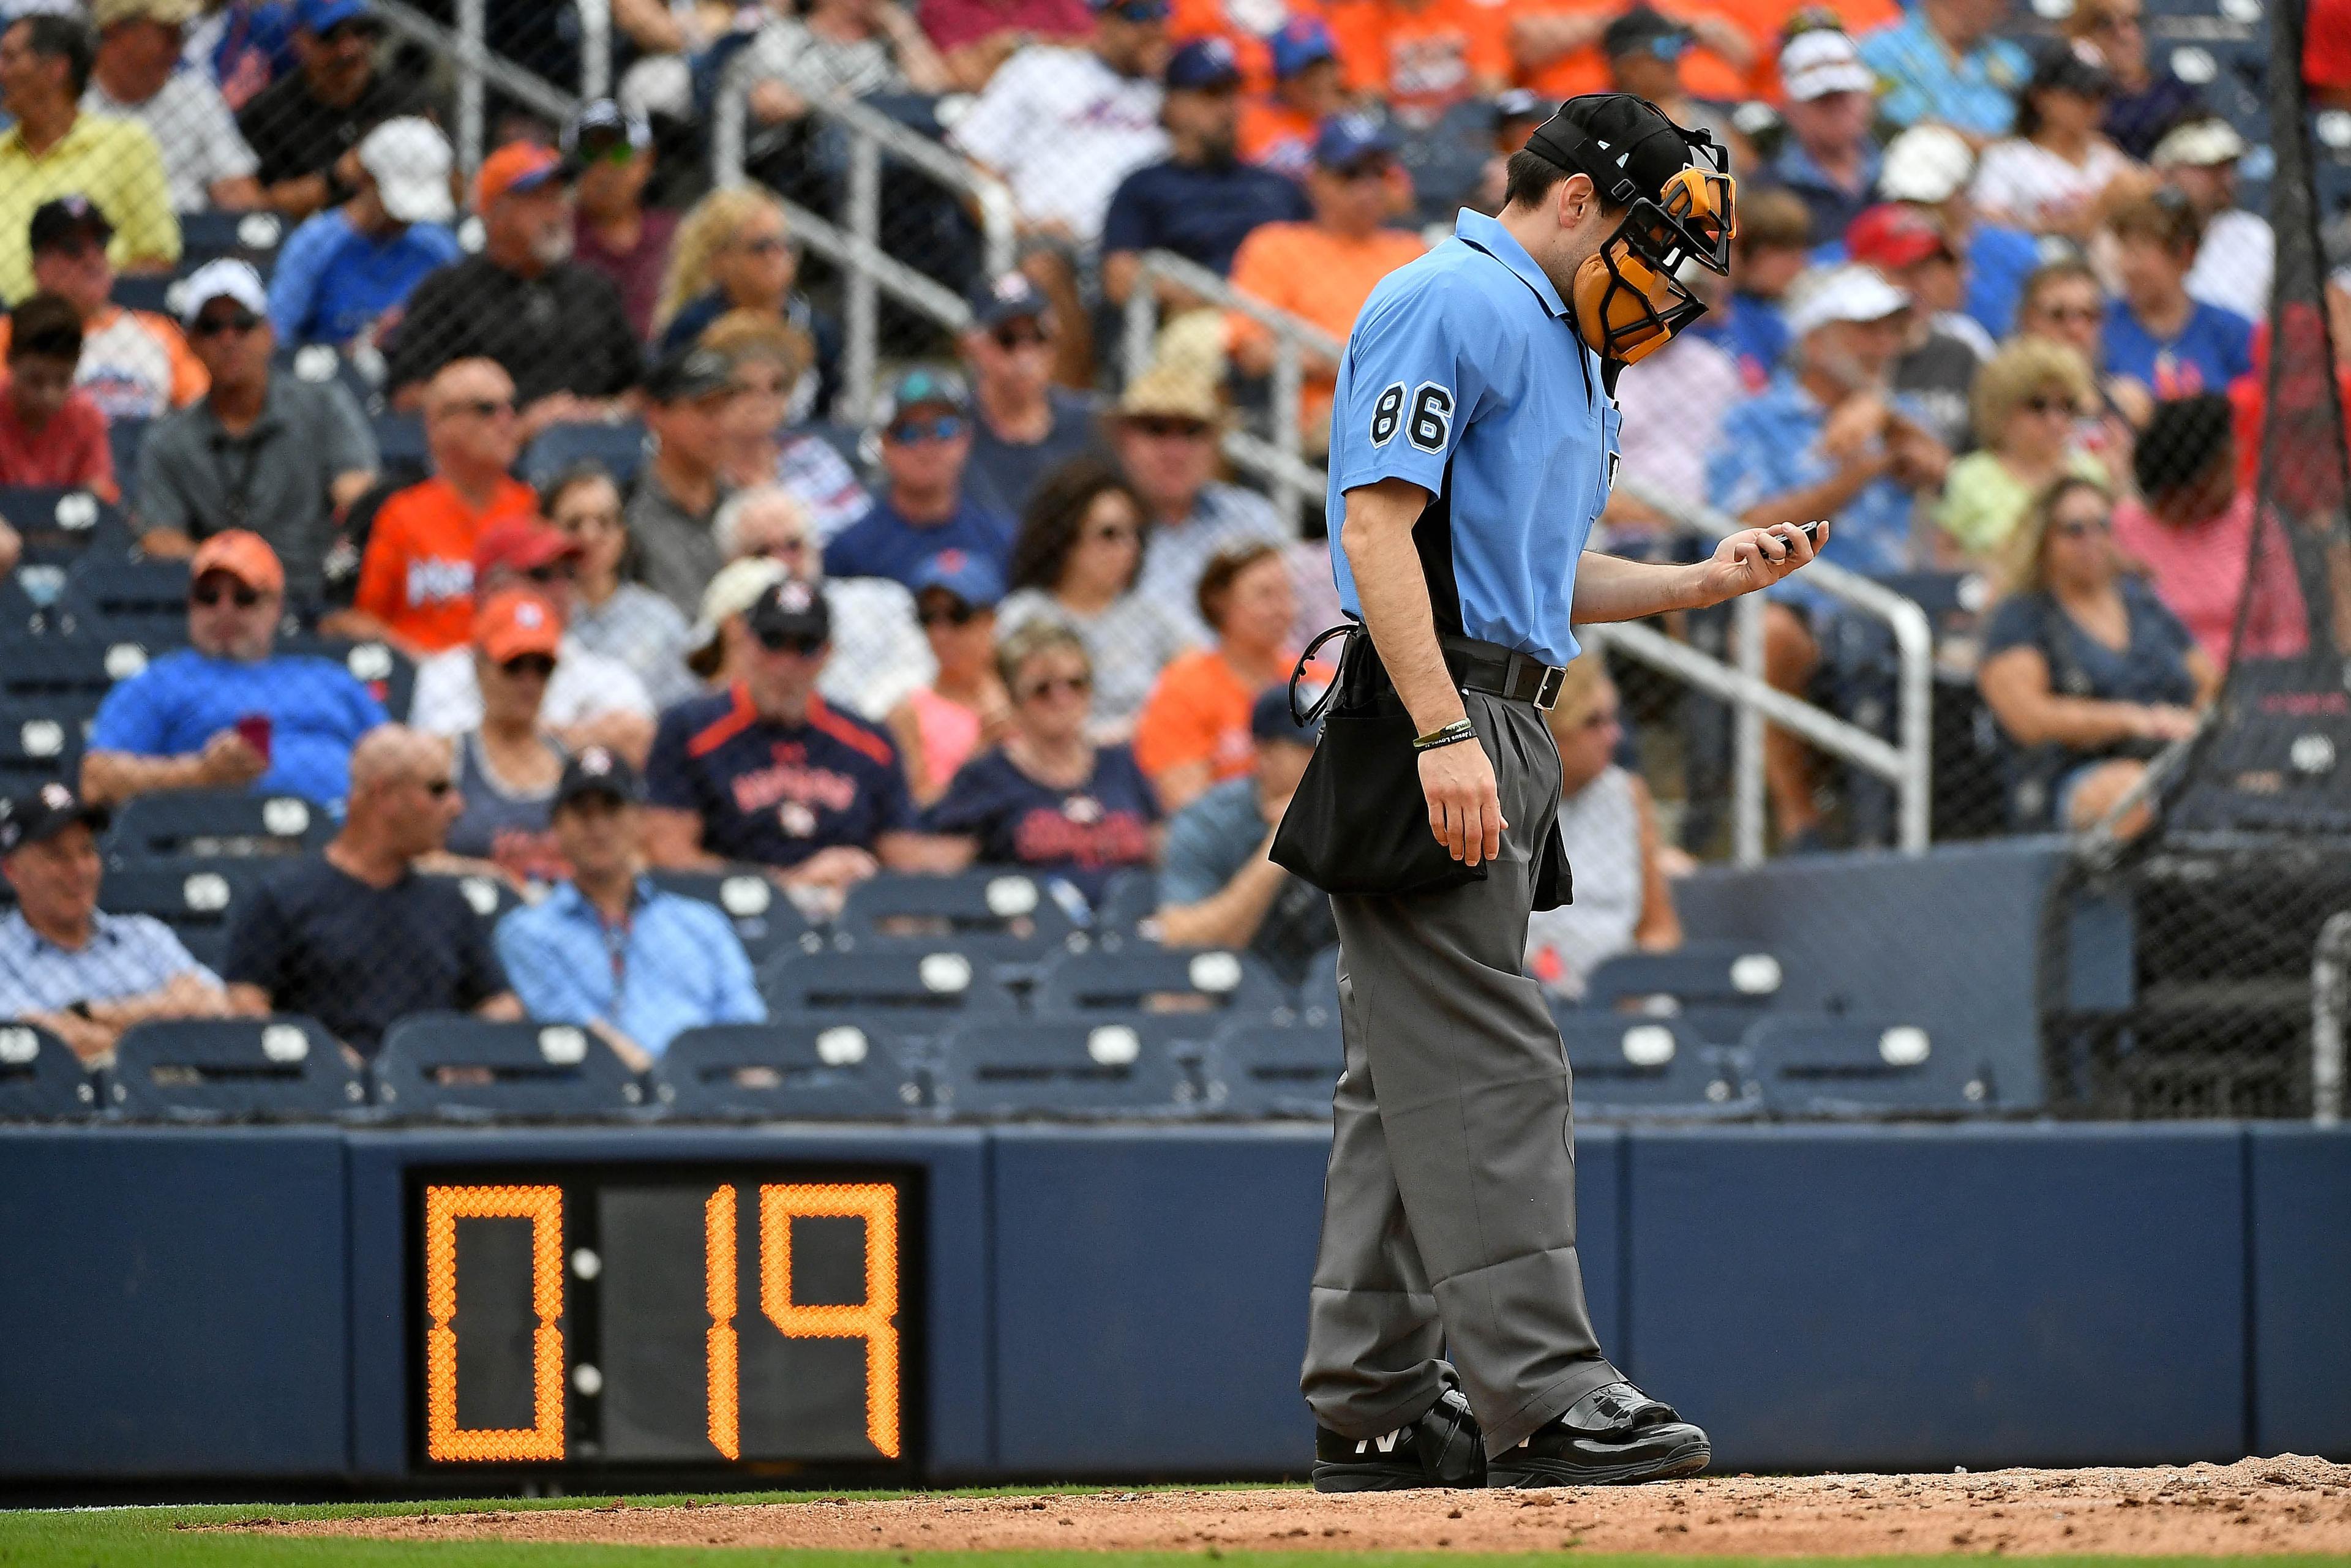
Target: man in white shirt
{"x":2239,"y":254}
{"x":137,"y":77}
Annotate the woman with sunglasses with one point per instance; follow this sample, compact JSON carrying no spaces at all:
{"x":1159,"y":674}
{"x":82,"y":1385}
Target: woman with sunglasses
{"x":770,"y":358}
{"x":507,"y":766}
{"x":1075,"y":565}
{"x":623,"y":621}
{"x":2027,"y":404}
{"x":1047,"y":798}
{"x":734,"y":252}
{"x":939,"y":727}
{"x":2086,"y":672}
{"x":1195,"y":731}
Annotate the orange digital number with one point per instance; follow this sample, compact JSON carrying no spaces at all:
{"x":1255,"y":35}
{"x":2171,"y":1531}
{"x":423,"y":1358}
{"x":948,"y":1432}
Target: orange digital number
{"x":718,"y":1289}
{"x":543,"y":1206}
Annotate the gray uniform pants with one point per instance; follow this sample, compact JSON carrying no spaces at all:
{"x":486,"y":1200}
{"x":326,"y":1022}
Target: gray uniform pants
{"x":1449,"y":1213}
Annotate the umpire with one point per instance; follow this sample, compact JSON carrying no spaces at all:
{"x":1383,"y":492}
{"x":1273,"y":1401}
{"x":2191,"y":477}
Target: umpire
{"x":1473,"y":444}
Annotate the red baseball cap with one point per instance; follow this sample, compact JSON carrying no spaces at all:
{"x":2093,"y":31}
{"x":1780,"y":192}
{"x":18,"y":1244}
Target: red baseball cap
{"x":1895,"y":234}
{"x":515,"y":623}
{"x":520,"y":167}
{"x":521,"y":544}
{"x":245,"y":556}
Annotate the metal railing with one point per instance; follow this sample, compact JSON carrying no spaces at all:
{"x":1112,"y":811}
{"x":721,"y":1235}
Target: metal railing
{"x":476,"y":70}
{"x":2330,"y":990}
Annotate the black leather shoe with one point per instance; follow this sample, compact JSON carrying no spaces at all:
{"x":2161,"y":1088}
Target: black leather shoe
{"x":1442,"y":1448}
{"x":1612,"y":1435}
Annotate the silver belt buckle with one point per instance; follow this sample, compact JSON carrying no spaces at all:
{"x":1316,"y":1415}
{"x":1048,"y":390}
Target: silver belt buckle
{"x":1547,"y":693}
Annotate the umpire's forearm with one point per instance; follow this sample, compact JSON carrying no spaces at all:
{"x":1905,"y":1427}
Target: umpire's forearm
{"x":1393,"y":593}
{"x":1610,"y":588}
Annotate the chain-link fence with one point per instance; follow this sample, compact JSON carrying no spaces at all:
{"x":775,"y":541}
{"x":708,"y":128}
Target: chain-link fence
{"x":623,"y":311}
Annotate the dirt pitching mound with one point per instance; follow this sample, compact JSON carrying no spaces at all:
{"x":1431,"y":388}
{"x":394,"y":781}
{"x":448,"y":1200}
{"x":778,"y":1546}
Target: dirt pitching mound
{"x":2285,"y":1504}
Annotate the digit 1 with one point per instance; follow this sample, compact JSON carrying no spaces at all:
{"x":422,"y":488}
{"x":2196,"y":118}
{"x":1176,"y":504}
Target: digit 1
{"x":718,"y":1291}
{"x":443,"y":1207}
{"x":877,"y":1205}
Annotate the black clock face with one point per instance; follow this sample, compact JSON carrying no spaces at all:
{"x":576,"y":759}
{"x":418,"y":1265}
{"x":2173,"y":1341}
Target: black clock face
{"x":681,"y":1317}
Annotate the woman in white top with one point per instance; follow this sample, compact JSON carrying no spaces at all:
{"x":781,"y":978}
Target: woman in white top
{"x":1608,"y":824}
{"x":2058,"y":174}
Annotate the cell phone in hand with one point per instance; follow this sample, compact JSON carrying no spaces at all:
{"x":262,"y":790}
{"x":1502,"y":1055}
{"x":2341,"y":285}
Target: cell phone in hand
{"x":255,"y":729}
{"x":1811,"y":530}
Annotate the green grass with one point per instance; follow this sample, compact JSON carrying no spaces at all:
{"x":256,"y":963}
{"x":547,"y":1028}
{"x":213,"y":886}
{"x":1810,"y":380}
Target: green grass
{"x":158,"y":1537}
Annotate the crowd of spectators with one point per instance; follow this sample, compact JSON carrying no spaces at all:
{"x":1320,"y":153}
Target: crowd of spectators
{"x":1993,"y":307}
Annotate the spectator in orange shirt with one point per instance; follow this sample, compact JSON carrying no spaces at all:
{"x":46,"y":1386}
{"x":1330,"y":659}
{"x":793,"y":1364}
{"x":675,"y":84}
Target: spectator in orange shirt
{"x":1735,"y":43}
{"x":1423,"y":57}
{"x":135,"y":364}
{"x":1323,"y":270}
{"x":1278,"y":129}
{"x":50,"y":431}
{"x":1250,"y":26}
{"x":1194,"y":730}
{"x":416,"y":581}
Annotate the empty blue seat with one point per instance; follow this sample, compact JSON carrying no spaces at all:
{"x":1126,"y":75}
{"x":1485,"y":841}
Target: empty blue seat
{"x":143,"y":291}
{"x":20,"y":613}
{"x":197,"y":899}
{"x":1275,"y":1070}
{"x":492,"y":897}
{"x":1648,"y":1067}
{"x":381,"y":668}
{"x":58,"y":525}
{"x":1131,"y":898}
{"x":40,"y":742}
{"x":212,"y":1070}
{"x":619,"y":448}
{"x":467,"y":1068}
{"x":920,"y":992}
{"x":1208,"y":986}
{"x":41,"y":1080}
{"x":209,"y":234}
{"x":766,"y":922}
{"x":70,"y":669}
{"x":214,"y":824}
{"x":322,"y":362}
{"x":1702,"y":973}
{"x":1318,"y":993}
{"x":1116,"y":1067}
{"x":123,"y":437}
{"x":796,"y":1070}
{"x":994,"y":914}
{"x":1818,"y":1065}
{"x":400,"y":438}
{"x":145,"y":601}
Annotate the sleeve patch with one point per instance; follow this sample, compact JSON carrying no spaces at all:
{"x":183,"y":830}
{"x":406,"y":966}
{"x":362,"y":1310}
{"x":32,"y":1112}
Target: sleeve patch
{"x":1431,"y":425}
{"x":1387,"y":414}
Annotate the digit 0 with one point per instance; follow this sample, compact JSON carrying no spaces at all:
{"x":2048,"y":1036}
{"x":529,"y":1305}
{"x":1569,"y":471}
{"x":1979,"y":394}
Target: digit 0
{"x":444,"y":1439}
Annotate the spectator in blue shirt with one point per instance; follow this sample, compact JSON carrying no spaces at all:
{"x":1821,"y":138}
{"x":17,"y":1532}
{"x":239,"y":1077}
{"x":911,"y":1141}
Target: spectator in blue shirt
{"x":1767,"y":254}
{"x":1932,"y":166}
{"x":83,"y":975}
{"x":346,"y":269}
{"x":925,"y":443}
{"x":1048,"y":798}
{"x":1024,"y":423}
{"x":1828,"y":159}
{"x":609,"y":951}
{"x":229,"y":711}
{"x":2157,"y":333}
{"x":1200,"y":200}
{"x":1941,"y":62}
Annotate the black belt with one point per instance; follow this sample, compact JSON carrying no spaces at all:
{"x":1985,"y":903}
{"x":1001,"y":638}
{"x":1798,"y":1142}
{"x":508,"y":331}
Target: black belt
{"x":1501,"y":672}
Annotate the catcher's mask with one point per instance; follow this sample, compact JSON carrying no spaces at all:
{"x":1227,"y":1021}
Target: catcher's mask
{"x":1626,"y":299}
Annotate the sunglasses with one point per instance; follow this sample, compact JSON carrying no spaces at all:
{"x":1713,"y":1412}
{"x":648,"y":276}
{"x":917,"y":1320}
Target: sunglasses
{"x":798,"y":643}
{"x":606,"y":147}
{"x":437,"y":788}
{"x":76,"y":248}
{"x":790,"y":547}
{"x":2083,"y":527}
{"x":2043,"y":404}
{"x":2072,"y":312}
{"x":1075,"y":686}
{"x":244,"y":598}
{"x":553,"y":572}
{"x":1369,"y":169}
{"x":906,"y":431}
{"x":1160,"y":429}
{"x":957,"y":614}
{"x":482,"y":408}
{"x":523,"y":664}
{"x":243,"y":322}
{"x":579,"y":522}
{"x":1012,"y":338}
{"x":1111,"y":534}
{"x":2117,"y":22}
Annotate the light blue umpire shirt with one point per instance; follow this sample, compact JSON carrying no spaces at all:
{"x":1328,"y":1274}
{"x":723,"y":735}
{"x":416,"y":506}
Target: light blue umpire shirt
{"x":677,"y":965}
{"x":1465,"y":376}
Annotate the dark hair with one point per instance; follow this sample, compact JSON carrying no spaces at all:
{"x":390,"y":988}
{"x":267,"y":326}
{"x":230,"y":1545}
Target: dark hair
{"x":47,"y":325}
{"x":1048,"y":529}
{"x":2183,"y":439}
{"x":1529,"y":179}
{"x":61,"y":37}
{"x":2164,"y":217}
{"x":2063,"y":269}
{"x":1223,"y":570}
{"x":570,"y":476}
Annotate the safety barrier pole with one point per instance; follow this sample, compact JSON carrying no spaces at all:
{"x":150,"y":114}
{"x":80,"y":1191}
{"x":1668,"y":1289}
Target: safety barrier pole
{"x":2330,"y":986}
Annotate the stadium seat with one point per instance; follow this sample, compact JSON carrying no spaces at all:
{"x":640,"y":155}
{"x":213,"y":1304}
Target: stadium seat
{"x":214,"y":824}
{"x":41,"y":1079}
{"x":1700,"y":973}
{"x":400,"y":438}
{"x":492,"y":897}
{"x":211,"y":1070}
{"x":919,"y":991}
{"x":1209,"y":980}
{"x":322,"y":362}
{"x":1131,"y":898}
{"x":1648,"y":1067}
{"x":467,"y":1068}
{"x":209,"y":235}
{"x":995,"y":914}
{"x":39,"y":742}
{"x":766,"y":922}
{"x":123,"y":437}
{"x":143,"y":602}
{"x":1275,"y":1070}
{"x":143,"y":291}
{"x":798,"y":1071}
{"x":20,"y":614}
{"x":1819,"y":1065}
{"x":77,"y":670}
{"x":619,"y":448}
{"x":1318,"y":993}
{"x":58,"y":525}
{"x":1116,"y":1067}
{"x":384,"y":669}
{"x":197,"y":899}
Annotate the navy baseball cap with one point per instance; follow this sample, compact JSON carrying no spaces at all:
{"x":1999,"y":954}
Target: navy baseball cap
{"x":1303,"y":41}
{"x":603,"y":124}
{"x":1270,"y":718}
{"x":1642,"y":29}
{"x":791,"y":608}
{"x":61,"y":217}
{"x":1008,"y":298}
{"x":1347,"y":139}
{"x":43,"y":814}
{"x":1203,"y":65}
{"x":689,"y":375}
{"x":972,"y":578}
{"x":919,"y":387}
{"x":598,"y":770}
{"x":320,"y":17}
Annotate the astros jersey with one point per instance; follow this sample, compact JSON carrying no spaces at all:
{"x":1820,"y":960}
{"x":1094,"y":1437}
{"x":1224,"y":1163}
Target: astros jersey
{"x":777,"y":793}
{"x":1465,"y":376}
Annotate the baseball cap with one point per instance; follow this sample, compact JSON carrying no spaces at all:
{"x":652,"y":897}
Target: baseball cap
{"x":2078,"y":68}
{"x":1643,"y":29}
{"x":1849,"y":293}
{"x":599,"y":770}
{"x":1345,"y":138}
{"x":731,"y":590}
{"x":970,"y":577}
{"x":514,"y":622}
{"x":409,"y":160}
{"x":521,"y":544}
{"x":1929,"y":164}
{"x":689,"y":373}
{"x":325,"y":15}
{"x":44,"y":813}
{"x":517,"y":169}
{"x":224,"y":278}
{"x":1303,"y":41}
{"x":170,"y":13}
{"x":245,"y":556}
{"x":1171,"y":392}
{"x":1008,"y":298}
{"x":1894,"y":235}
{"x":1132,"y":10}
{"x":1649,"y":149}
{"x":789,"y":608}
{"x":2198,"y":144}
{"x":604,"y":123}
{"x":1822,"y":61}
{"x":919,"y":387}
{"x":1520,"y":103}
{"x":1269,"y":719}
{"x":1203,"y":64}
{"x":56,"y":219}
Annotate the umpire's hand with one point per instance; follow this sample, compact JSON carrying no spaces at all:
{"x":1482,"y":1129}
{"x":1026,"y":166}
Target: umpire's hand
{"x":1757,"y":557}
{"x":1465,"y":811}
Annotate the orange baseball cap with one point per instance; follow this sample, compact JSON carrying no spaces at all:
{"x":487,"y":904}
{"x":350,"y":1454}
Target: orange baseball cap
{"x":516,"y":622}
{"x":518,"y":167}
{"x":245,"y":556}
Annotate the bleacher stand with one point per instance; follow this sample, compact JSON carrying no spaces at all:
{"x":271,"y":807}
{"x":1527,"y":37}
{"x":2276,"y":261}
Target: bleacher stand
{"x":462,"y":1069}
{"x":1814,"y":1065}
{"x":41,"y":1080}
{"x":799,"y":1070}
{"x":197,"y":899}
{"x":766,"y":922}
{"x":1650,"y":1069}
{"x":212,"y":824}
{"x":217,"y":1069}
{"x":1125,"y":1067}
